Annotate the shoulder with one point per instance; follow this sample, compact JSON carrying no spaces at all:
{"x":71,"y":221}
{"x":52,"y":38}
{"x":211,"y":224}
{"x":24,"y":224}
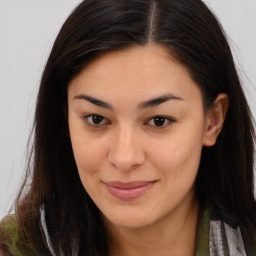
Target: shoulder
{"x":226,"y":236}
{"x":251,"y":247}
{"x":215,"y":236}
{"x":8,"y":234}
{"x":12,"y":241}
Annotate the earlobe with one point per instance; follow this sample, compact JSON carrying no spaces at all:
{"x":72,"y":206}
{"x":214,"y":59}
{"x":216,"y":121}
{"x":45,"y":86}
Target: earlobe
{"x":215,"y":118}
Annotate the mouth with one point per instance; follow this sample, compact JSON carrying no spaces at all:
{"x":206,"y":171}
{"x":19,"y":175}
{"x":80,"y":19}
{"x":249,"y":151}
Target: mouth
{"x":129,"y":191}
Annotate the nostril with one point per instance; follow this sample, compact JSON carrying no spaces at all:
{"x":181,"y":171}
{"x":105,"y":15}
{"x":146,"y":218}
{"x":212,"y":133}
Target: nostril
{"x":124,"y":159}
{"x":126,"y":153}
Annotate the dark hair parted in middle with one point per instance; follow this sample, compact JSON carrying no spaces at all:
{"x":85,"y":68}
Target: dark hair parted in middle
{"x":195,"y":39}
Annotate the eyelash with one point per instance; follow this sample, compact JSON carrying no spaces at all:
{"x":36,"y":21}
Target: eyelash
{"x":90,"y":123}
{"x":166,"y":121}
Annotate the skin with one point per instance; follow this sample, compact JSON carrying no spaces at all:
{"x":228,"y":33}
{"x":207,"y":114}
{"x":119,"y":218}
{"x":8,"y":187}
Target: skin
{"x":128,"y":146}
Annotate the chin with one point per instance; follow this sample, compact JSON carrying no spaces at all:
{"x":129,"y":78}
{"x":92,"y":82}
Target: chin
{"x":129,"y":220}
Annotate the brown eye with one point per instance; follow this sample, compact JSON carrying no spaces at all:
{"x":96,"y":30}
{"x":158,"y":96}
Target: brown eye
{"x":160,"y":121}
{"x":96,"y":120}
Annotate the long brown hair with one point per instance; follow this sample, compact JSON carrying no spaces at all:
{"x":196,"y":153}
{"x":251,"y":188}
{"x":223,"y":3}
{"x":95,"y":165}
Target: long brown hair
{"x":195,"y":38}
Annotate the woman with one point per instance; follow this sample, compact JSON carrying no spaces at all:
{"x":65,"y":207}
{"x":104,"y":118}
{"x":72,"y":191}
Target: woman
{"x":143,"y":139}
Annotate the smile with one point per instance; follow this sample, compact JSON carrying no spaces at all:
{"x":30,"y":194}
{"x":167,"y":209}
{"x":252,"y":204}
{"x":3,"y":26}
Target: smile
{"x":129,"y":191}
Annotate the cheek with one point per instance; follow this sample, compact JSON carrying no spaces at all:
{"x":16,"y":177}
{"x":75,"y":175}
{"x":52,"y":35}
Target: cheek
{"x":88,"y":156}
{"x":89,"y":152}
{"x":179,"y":155}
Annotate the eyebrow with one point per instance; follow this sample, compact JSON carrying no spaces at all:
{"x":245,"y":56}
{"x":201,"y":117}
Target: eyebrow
{"x":145,"y":104}
{"x":158,"y":100}
{"x":94,"y":101}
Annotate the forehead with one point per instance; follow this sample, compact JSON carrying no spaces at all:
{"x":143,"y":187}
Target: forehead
{"x":146,"y":70}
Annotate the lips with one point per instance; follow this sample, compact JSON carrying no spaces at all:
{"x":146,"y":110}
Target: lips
{"x":129,"y":191}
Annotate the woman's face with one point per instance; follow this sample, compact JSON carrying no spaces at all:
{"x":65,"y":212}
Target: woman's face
{"x":137,"y":127}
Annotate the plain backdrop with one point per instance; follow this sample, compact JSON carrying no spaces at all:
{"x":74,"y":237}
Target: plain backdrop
{"x":27,"y":31}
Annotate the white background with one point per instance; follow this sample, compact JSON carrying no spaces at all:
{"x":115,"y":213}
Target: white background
{"x":27,"y":31}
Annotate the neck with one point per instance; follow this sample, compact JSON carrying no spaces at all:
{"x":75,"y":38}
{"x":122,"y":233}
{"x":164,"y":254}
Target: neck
{"x":167,"y":237}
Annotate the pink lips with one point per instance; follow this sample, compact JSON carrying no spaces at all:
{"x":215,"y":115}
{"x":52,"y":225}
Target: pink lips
{"x":129,"y":191}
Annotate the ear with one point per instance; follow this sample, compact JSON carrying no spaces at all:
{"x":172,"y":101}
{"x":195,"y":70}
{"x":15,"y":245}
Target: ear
{"x":214,"y":119}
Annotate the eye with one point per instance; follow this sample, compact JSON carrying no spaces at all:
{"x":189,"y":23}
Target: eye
{"x":95,"y":120}
{"x":160,"y":121}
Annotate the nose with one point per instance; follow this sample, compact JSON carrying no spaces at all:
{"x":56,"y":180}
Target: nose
{"x":126,"y":151}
